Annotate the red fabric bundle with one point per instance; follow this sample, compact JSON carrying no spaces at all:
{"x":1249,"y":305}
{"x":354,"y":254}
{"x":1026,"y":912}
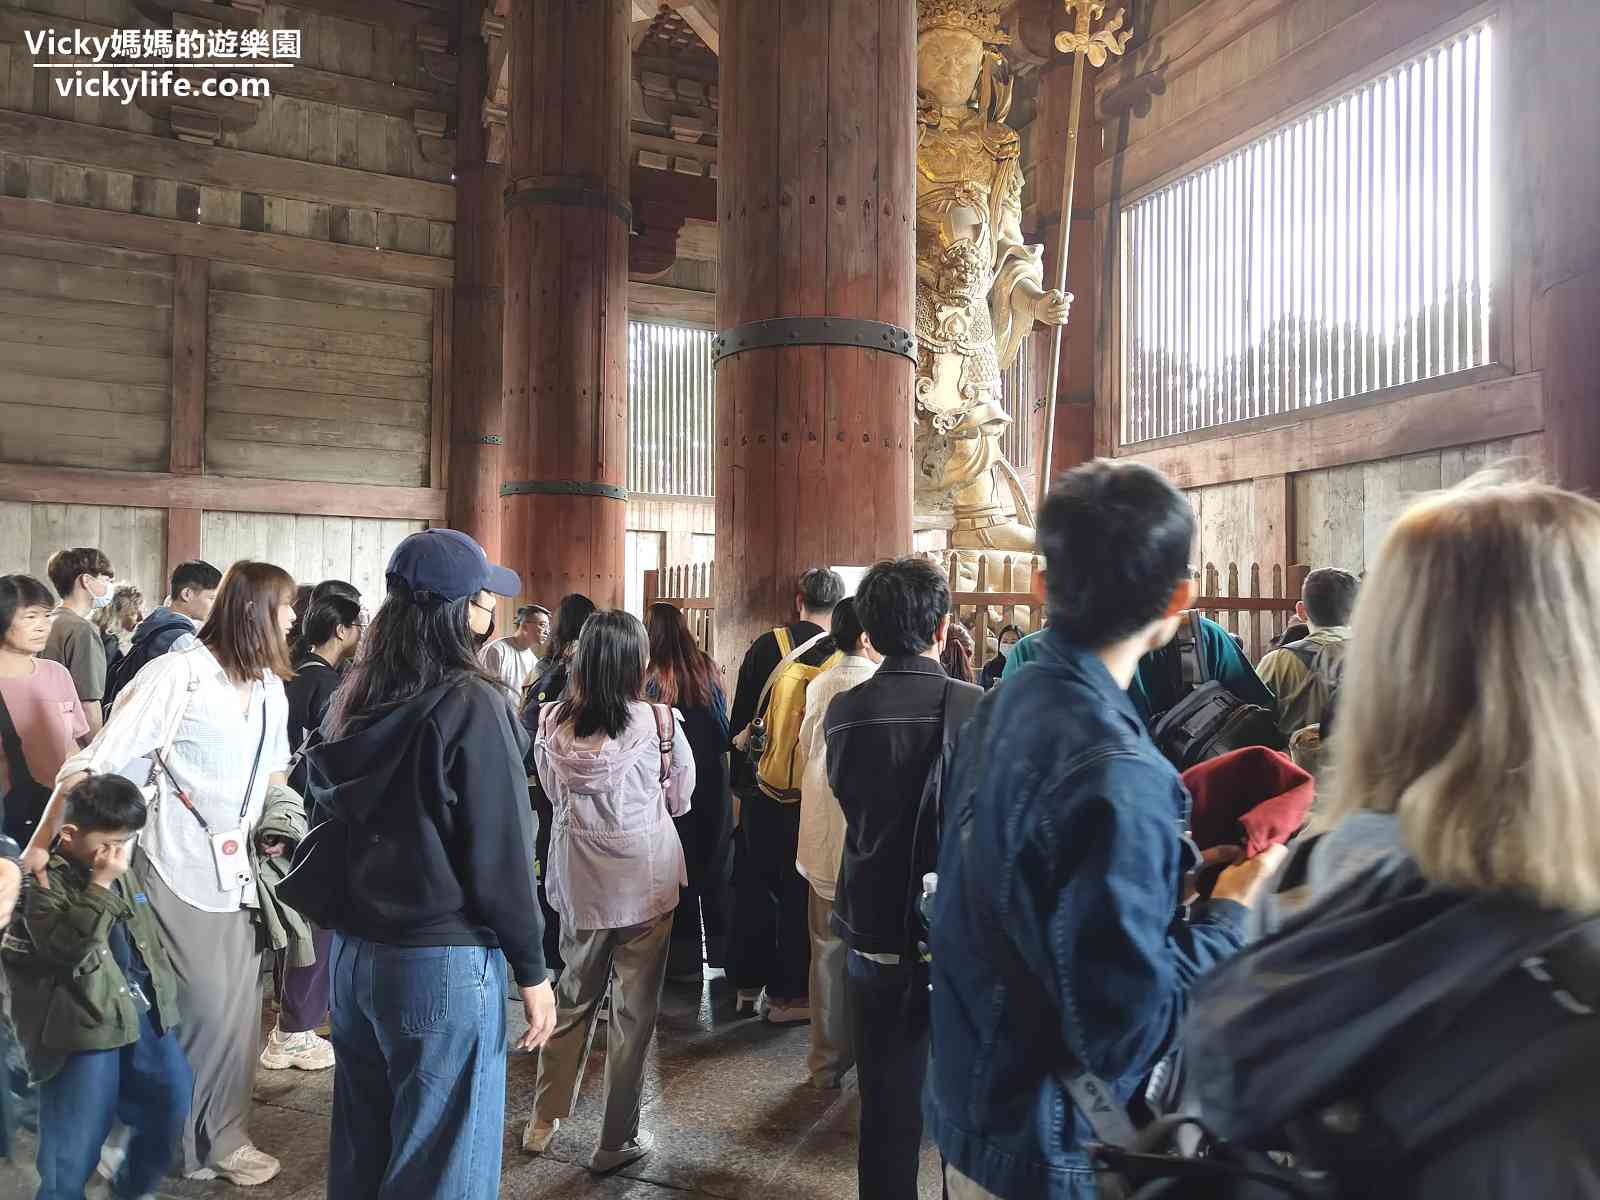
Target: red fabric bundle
{"x":1254,"y":796}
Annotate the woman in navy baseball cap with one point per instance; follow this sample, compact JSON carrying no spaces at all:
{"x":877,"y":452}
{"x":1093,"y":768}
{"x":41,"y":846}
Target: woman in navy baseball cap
{"x":423,"y":762}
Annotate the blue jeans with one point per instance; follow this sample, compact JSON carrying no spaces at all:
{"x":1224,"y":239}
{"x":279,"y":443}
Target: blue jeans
{"x":419,"y":1093}
{"x":148,"y":1081}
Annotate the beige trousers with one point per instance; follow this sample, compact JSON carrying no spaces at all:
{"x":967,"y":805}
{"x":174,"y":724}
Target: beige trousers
{"x":958,"y":1187}
{"x":633,"y":963}
{"x":830,"y":1054}
{"x":218,"y":959}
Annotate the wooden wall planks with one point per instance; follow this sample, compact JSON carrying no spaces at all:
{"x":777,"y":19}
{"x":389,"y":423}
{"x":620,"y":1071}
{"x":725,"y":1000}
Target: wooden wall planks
{"x":85,"y":354}
{"x":318,"y":379}
{"x":1342,"y":513}
{"x":309,"y":548}
{"x":134,"y":539}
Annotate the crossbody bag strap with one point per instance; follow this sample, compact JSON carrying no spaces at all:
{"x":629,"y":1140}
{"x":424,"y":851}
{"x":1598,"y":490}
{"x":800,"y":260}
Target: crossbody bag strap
{"x":158,"y":759}
{"x":664,"y":731}
{"x":255,"y":767}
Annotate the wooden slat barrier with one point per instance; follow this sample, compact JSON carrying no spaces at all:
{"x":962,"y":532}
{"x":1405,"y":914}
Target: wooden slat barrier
{"x":1256,"y":616}
{"x":691,"y":588}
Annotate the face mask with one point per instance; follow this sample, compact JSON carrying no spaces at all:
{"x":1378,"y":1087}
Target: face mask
{"x":480,"y":640}
{"x":100,"y":600}
{"x":1006,"y":648}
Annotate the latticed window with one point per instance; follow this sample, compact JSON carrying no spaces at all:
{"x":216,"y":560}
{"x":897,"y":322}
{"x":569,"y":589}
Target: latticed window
{"x":671,"y":410}
{"x":1343,"y":253}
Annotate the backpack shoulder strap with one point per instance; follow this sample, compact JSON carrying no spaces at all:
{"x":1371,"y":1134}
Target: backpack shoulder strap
{"x":665,"y":728}
{"x":785,"y":642}
{"x":1193,"y":649}
{"x":783,"y":663}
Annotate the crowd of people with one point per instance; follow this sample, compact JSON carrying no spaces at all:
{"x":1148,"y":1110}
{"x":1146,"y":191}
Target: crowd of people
{"x":1104,"y":902}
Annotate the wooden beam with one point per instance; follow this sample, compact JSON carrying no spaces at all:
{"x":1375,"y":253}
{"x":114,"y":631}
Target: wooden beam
{"x":183,"y":536}
{"x":1353,"y":49}
{"x":217,"y":493}
{"x":303,"y":82}
{"x":1475,"y":412}
{"x":191,"y":283}
{"x":216,"y":166}
{"x":158,"y":235}
{"x":655,"y":302}
{"x":702,"y":17}
{"x":439,"y":406}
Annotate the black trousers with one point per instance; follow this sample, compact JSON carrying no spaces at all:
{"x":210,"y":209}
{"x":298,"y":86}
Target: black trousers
{"x":771,"y":936}
{"x":888,"y":1007}
{"x":544,"y":815}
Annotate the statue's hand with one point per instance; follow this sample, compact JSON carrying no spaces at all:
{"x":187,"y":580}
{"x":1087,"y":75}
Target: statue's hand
{"x":1052,"y":307}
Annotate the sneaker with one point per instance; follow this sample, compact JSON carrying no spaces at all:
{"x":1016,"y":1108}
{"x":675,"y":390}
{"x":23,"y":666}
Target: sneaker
{"x":605,"y":1161}
{"x":113,"y":1152}
{"x":245,"y":1167}
{"x":306,"y":1051}
{"x":748,"y":1002}
{"x":536,"y":1138}
{"x":796,"y":1012}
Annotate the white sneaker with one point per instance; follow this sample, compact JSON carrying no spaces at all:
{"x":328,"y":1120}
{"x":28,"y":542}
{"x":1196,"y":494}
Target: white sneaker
{"x":245,"y":1167}
{"x":113,"y":1152}
{"x":605,"y":1161}
{"x":305,"y":1051}
{"x":536,"y":1138}
{"x":798,"y":1013}
{"x":749,"y":1002}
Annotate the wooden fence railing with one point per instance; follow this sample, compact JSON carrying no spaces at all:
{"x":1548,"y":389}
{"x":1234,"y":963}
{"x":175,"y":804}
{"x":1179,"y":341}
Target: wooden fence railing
{"x":691,"y":588}
{"x":1255,"y":615}
{"x":990,"y":591}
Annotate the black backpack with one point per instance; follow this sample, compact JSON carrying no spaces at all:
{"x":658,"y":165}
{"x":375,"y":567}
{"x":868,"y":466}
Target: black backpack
{"x":1209,"y":720}
{"x":152,"y":646}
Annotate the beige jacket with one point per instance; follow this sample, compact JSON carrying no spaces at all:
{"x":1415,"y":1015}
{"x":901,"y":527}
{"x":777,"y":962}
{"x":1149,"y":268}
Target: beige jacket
{"x":821,"y":820}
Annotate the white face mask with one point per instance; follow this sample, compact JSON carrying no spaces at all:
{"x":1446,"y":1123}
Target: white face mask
{"x":1006,"y":648}
{"x":99,"y":599}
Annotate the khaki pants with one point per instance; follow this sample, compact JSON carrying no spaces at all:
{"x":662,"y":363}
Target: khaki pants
{"x":958,"y":1187}
{"x":633,"y":963}
{"x":830,"y":1054}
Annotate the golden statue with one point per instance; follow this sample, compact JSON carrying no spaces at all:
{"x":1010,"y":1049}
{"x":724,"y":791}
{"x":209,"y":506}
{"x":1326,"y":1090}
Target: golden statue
{"x":980,"y":288}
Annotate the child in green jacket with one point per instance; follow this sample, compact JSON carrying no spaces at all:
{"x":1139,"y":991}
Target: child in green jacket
{"x":94,"y":1000}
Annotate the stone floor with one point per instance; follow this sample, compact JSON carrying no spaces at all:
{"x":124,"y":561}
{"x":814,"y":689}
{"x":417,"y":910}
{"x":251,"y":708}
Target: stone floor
{"x":726,"y":1099}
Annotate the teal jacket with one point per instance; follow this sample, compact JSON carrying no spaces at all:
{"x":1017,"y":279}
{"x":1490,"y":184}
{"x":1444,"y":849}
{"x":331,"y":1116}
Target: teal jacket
{"x":68,"y":995}
{"x":1152,"y":690}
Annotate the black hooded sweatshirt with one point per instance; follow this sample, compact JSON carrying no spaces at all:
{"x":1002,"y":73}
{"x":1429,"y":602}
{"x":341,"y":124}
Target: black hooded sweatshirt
{"x":441,"y":845}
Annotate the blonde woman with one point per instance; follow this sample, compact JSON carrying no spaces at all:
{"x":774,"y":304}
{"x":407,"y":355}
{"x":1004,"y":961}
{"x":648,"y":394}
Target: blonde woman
{"x":1427,"y":1027}
{"x":117,"y":621}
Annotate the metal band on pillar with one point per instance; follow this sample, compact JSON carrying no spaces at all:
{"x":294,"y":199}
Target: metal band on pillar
{"x":814,"y":331}
{"x":478,"y":439}
{"x":535,"y":195}
{"x":563,"y":487}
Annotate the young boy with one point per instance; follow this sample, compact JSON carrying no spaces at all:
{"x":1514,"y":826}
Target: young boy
{"x":94,"y":1002}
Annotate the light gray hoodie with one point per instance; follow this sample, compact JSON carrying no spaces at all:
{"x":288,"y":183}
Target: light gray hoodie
{"x":615,"y":858}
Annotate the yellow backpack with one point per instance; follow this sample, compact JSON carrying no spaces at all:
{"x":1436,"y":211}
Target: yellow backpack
{"x":775,"y":733}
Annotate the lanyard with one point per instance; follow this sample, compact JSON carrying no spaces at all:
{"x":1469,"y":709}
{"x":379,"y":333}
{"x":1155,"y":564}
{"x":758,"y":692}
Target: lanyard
{"x":249,"y":788}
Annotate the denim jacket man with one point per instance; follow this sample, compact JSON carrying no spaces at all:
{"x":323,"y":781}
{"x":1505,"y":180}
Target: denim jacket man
{"x":1060,"y":940}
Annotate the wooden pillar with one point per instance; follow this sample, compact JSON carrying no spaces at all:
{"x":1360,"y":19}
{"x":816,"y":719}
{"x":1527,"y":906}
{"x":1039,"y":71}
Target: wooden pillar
{"x":567,"y":219}
{"x":191,"y":290}
{"x":818,"y":219}
{"x":475,"y":421}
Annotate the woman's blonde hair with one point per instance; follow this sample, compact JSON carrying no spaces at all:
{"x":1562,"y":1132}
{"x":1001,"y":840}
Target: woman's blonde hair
{"x":1471,"y":697}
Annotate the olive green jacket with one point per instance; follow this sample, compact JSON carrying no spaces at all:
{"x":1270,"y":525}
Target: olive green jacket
{"x":68,"y":995}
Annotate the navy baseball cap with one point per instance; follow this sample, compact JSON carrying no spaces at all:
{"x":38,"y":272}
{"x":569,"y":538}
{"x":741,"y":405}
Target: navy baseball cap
{"x":450,"y":564}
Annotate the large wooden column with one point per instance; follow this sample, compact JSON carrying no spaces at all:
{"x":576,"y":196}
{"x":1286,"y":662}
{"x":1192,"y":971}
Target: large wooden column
{"x":567,"y":217}
{"x":476,"y":426}
{"x":818,"y":220}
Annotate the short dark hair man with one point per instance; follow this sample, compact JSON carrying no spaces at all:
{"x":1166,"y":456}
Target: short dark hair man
{"x":883,"y":736}
{"x":84,"y":580}
{"x":192,"y":592}
{"x":769,"y":955}
{"x":515,"y":658}
{"x":1060,"y":941}
{"x":1303,"y":674}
